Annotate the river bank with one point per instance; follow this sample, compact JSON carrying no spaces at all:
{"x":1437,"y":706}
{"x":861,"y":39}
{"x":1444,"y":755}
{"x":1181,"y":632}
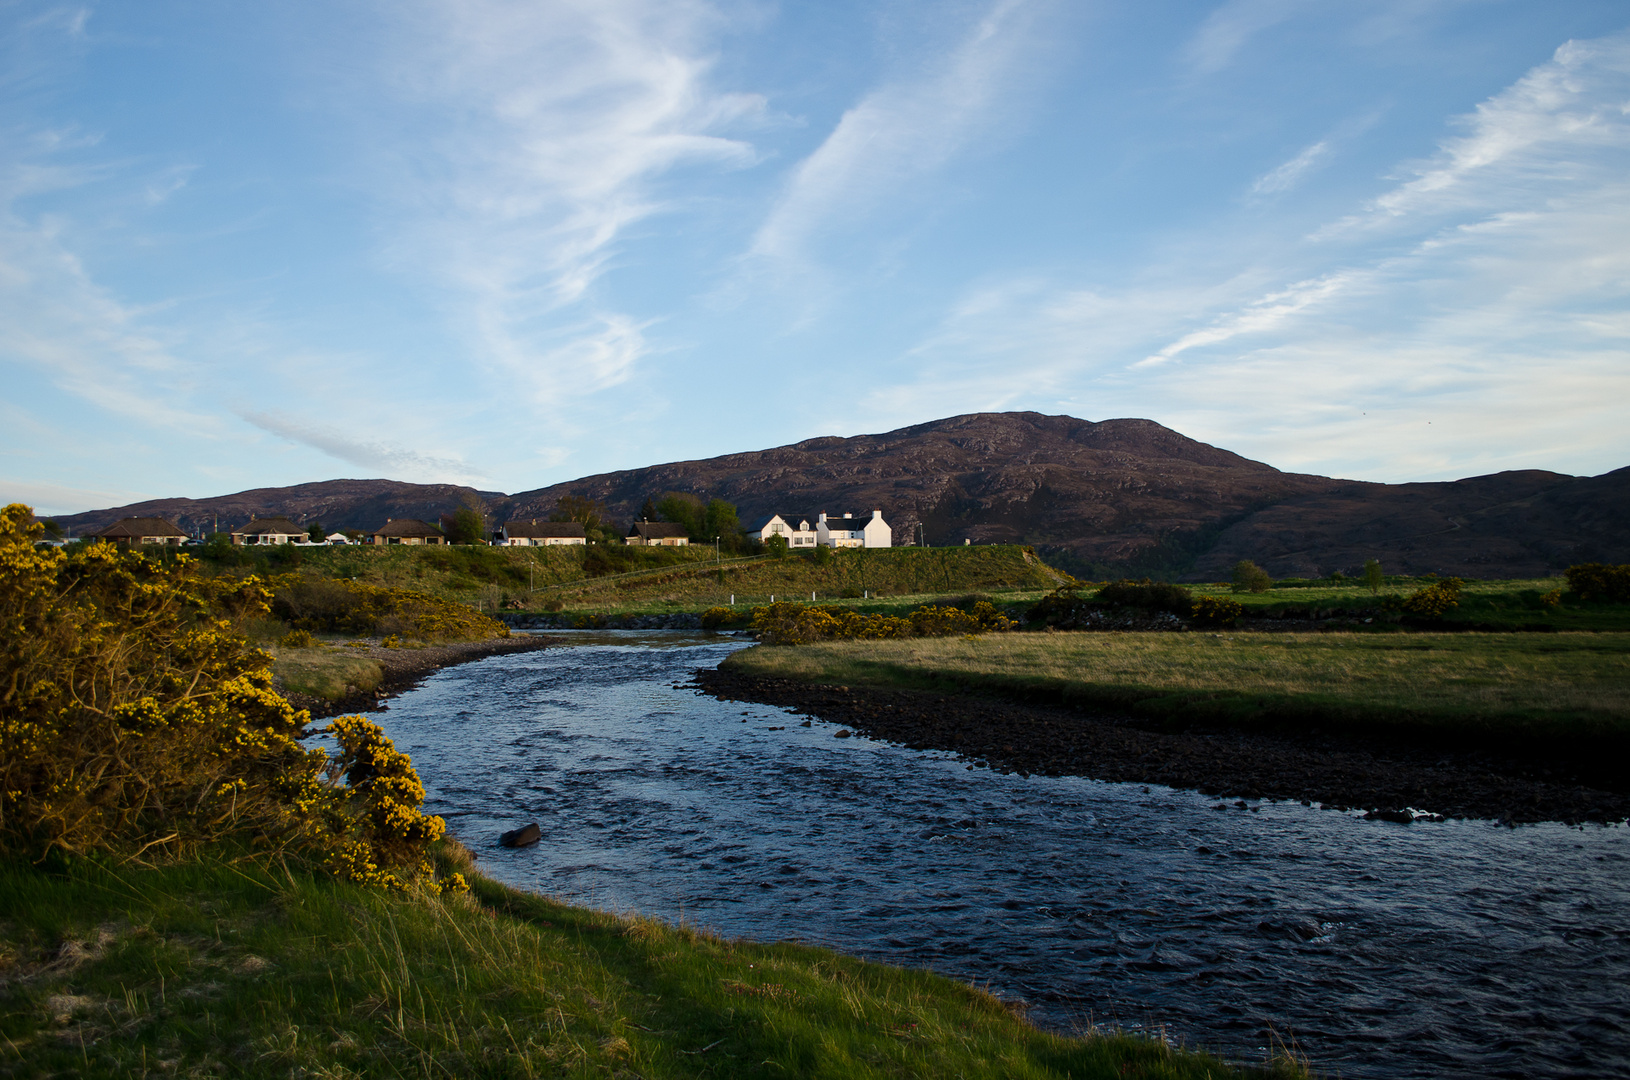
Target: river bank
{"x":403,"y":668}
{"x":1381,"y":775}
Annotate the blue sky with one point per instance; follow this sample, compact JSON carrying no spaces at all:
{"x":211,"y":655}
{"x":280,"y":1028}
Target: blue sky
{"x":508,"y":244}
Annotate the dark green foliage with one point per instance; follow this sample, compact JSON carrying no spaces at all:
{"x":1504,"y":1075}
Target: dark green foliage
{"x":466,"y":526}
{"x":1217,"y":611}
{"x":314,"y":532}
{"x":776,"y":547}
{"x":1249,"y":577}
{"x":1147,"y":595}
{"x":1434,"y":601}
{"x":1373,"y":578}
{"x":1598,"y":581}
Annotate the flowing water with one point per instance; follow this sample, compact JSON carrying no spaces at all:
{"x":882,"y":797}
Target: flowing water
{"x":1382,"y":950}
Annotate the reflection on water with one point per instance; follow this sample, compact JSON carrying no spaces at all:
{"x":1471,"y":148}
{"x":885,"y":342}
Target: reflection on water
{"x":1452,"y":949}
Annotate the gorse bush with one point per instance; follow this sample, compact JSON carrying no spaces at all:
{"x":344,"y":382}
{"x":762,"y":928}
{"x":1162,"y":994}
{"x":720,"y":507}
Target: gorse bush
{"x":715,"y":617}
{"x":1434,"y":601}
{"x":1217,"y":611}
{"x":354,"y":607}
{"x":136,"y":719}
{"x":1598,"y":581}
{"x":790,"y":623}
{"x":1148,"y":595}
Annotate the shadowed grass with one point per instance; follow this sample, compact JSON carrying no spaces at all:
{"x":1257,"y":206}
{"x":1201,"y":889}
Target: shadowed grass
{"x":207,"y":968}
{"x":1553,"y":685}
{"x":325,"y":671}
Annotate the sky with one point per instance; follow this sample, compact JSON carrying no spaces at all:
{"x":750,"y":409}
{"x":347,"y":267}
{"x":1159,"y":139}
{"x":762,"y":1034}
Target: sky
{"x":508,"y":244}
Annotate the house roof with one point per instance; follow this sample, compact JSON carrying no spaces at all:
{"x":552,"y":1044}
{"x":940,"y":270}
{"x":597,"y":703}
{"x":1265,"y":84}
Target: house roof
{"x":407,"y":527}
{"x":131,"y":528}
{"x":270,"y":526}
{"x":539,"y":530}
{"x":791,"y":519}
{"x":657,"y":530}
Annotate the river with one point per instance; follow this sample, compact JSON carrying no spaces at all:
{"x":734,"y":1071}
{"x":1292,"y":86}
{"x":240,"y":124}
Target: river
{"x":1457,"y":948}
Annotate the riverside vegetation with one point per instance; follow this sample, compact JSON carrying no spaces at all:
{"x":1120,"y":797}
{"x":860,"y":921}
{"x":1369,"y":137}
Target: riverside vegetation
{"x":187,"y":888}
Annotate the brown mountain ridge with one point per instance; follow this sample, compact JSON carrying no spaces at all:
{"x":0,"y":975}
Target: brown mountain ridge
{"x":1098,"y":498}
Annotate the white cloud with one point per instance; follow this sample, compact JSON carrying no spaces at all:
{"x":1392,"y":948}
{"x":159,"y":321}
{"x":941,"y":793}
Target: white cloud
{"x":1259,"y":316}
{"x":404,"y":463}
{"x":898,"y":132}
{"x":1286,"y":176}
{"x":540,"y":134}
{"x":1227,"y":30}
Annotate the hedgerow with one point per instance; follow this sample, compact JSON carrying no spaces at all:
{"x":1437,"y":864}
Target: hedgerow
{"x":790,"y":623}
{"x":355,"y":607}
{"x":136,"y":719}
{"x":1599,"y":581}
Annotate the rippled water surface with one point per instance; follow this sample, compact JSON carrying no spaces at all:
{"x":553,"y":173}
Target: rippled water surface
{"x":1452,"y":949}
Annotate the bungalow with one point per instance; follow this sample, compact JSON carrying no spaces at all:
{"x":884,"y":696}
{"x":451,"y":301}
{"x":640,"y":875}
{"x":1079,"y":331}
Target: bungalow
{"x":408,"y":531}
{"x":796,"y":529}
{"x":338,"y":539}
{"x":276,"y":530}
{"x":658,"y":534}
{"x":541,"y":533}
{"x":847,"y":531}
{"x":145,"y":530}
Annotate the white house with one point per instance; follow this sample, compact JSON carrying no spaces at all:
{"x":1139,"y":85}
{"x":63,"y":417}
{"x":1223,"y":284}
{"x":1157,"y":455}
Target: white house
{"x":797,"y":530}
{"x":542,"y":533}
{"x":274,"y":530}
{"x":848,"y":531}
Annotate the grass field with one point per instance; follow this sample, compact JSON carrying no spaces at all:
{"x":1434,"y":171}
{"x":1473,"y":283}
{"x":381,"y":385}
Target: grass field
{"x":326,"y":671}
{"x":210,"y":969}
{"x":1561,"y":685}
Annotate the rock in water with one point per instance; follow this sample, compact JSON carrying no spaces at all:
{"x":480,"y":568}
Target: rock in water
{"x":522,"y":837}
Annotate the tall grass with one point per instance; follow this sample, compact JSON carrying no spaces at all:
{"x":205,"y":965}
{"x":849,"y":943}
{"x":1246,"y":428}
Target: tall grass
{"x":1562,"y":683}
{"x":208,"y":968}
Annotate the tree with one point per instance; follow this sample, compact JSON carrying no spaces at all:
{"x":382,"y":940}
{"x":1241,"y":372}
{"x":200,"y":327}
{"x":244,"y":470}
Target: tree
{"x":648,"y":512}
{"x":1372,"y":575}
{"x":776,"y":546}
{"x":1249,"y":577}
{"x":466,"y":526}
{"x":684,"y":509}
{"x":315,"y":532}
{"x":579,"y":508}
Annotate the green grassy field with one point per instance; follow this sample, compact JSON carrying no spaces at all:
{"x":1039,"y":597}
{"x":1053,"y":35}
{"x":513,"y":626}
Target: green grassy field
{"x":210,"y":969}
{"x":1564,"y":686}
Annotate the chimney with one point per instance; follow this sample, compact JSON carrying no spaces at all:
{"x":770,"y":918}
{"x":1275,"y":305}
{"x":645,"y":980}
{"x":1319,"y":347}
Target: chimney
{"x":848,"y":515}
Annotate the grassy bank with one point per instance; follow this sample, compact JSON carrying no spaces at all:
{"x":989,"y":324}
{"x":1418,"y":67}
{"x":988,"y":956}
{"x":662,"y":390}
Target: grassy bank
{"x":1550,"y":686}
{"x":206,"y":968}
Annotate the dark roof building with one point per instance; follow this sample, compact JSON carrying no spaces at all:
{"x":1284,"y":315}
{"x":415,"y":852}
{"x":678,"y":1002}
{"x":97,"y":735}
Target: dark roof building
{"x":408,"y":531}
{"x":542,"y":533}
{"x":276,"y":530}
{"x":146,"y":530}
{"x":658,"y":534}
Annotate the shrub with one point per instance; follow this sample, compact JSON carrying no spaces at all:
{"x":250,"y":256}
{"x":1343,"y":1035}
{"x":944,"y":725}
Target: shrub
{"x":316,"y":603}
{"x":790,"y":623}
{"x":1434,"y":601}
{"x":136,"y":718}
{"x":715,"y":617}
{"x":1217,"y":611}
{"x":1249,"y":577}
{"x":1598,"y":581}
{"x":1148,"y":595}
{"x":1372,"y":575}
{"x":1551,"y":599}
{"x":298,"y":639}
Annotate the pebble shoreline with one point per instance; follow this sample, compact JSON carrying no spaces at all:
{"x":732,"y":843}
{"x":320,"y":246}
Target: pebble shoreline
{"x":1345,"y":773}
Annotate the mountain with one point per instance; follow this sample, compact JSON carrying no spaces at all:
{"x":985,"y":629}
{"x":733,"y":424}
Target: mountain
{"x":1100,"y":499}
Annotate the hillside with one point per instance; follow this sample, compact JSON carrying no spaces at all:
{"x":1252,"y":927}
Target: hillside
{"x":1100,"y":499}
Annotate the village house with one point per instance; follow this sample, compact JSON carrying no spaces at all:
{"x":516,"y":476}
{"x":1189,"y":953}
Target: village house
{"x":408,"y":531}
{"x":847,"y":531}
{"x":797,"y":529}
{"x":541,"y":533}
{"x":277,"y":530}
{"x":657,"y":534}
{"x":144,"y":530}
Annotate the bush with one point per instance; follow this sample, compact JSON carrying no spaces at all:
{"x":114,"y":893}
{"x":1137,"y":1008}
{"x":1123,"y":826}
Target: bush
{"x":1148,"y":595}
{"x":715,"y":617}
{"x":1373,"y":578}
{"x":1598,"y":581}
{"x":790,"y":623}
{"x":1249,"y":577}
{"x":1217,"y":611}
{"x":1434,"y":601}
{"x":298,"y":639}
{"x":354,"y":607}
{"x":138,"y":720}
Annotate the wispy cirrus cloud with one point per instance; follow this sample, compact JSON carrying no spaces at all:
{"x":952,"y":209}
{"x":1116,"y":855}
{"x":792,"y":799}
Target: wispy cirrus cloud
{"x":1228,"y":29}
{"x":1284,"y":177}
{"x":899,"y":132}
{"x":386,"y":457}
{"x":540,"y":135}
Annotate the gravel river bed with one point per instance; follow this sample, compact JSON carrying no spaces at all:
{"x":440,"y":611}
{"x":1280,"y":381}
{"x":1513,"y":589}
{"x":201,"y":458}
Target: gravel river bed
{"x":1446,"y":949}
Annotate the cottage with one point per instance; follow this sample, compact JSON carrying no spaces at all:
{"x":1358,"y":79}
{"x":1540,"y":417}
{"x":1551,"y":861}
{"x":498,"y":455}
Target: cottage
{"x":337,"y":539}
{"x":277,"y":530}
{"x":408,"y":531}
{"x":797,"y":530}
{"x":847,"y":531}
{"x":658,"y":534}
{"x":542,"y":533}
{"x":145,"y":530}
